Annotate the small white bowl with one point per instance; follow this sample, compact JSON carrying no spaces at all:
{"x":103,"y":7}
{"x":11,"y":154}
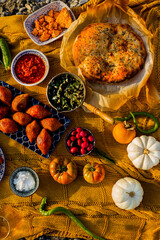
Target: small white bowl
{"x":29,"y":22}
{"x":13,"y":186}
{"x":30,"y":51}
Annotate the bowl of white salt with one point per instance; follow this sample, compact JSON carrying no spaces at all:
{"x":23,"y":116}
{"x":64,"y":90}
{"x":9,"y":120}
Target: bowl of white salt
{"x":24,"y":181}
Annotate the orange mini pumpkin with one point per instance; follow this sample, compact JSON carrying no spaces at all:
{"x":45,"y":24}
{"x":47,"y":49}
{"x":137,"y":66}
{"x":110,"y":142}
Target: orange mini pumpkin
{"x":124,"y":132}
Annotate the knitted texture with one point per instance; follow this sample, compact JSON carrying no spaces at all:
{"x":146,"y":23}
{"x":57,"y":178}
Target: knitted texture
{"x":92,"y":204}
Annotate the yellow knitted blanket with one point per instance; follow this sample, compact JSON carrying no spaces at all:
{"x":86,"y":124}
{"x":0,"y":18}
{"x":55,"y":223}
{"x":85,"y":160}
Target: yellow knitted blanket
{"x":92,"y":204}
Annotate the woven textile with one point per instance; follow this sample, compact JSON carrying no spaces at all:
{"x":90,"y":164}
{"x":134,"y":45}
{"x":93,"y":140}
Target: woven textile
{"x":92,"y":204}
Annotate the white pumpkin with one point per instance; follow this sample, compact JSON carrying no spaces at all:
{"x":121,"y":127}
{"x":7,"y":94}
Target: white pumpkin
{"x":144,"y":152}
{"x":127,"y":193}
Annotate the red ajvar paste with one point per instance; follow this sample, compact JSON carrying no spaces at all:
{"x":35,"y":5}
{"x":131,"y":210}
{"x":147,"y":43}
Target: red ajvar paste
{"x":30,"y":68}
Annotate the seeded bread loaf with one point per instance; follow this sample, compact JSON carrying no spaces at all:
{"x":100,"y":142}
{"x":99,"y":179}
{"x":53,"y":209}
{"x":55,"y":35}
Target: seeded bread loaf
{"x":109,"y":53}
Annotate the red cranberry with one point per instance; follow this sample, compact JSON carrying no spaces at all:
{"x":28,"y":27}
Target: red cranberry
{"x":79,"y":142}
{"x":78,"y":136}
{"x":91,"y":138}
{"x":84,"y":145}
{"x":83,"y":151}
{"x":84,"y":139}
{"x":74,"y":150}
{"x":73,"y":138}
{"x":79,"y":130}
{"x":90,"y":146}
{"x":73,"y":133}
{"x":69,"y":143}
{"x":83,"y":133}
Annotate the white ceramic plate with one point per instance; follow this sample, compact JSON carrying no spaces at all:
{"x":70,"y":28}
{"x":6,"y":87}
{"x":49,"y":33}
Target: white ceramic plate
{"x":29,"y":22}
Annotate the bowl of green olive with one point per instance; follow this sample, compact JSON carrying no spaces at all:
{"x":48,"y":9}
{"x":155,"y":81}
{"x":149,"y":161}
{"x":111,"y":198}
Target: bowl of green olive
{"x":66,"y":92}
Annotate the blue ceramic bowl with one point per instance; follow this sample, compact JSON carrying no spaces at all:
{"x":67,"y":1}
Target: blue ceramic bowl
{"x":29,"y":22}
{"x":23,"y":193}
{"x":30,"y":51}
{"x":2,"y":165}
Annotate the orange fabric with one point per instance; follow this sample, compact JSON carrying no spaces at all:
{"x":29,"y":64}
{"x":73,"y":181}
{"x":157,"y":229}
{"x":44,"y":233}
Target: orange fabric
{"x":92,"y":204}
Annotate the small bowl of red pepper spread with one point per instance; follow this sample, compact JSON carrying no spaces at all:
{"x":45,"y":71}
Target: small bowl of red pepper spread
{"x":30,"y":67}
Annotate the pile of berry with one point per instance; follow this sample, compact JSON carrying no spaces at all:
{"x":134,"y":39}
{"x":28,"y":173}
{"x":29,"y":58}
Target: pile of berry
{"x":80,"y":141}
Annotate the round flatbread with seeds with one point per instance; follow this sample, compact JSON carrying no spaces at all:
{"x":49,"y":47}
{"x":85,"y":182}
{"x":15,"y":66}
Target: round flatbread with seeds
{"x":109,"y":53}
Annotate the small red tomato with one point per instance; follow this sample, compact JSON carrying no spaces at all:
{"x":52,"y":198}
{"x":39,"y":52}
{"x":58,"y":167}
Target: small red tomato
{"x":73,"y":138}
{"x":78,"y":136}
{"x":84,"y":145}
{"x":83,"y":151}
{"x":74,"y":150}
{"x":83,"y":133}
{"x":79,"y":129}
{"x":73,"y":133}
{"x":79,"y":142}
{"x":93,"y":173}
{"x":91,"y":138}
{"x":1,"y":160}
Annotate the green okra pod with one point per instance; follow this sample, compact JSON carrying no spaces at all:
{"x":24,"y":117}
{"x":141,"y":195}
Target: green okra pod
{"x":68,"y":213}
{"x":6,"y":54}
